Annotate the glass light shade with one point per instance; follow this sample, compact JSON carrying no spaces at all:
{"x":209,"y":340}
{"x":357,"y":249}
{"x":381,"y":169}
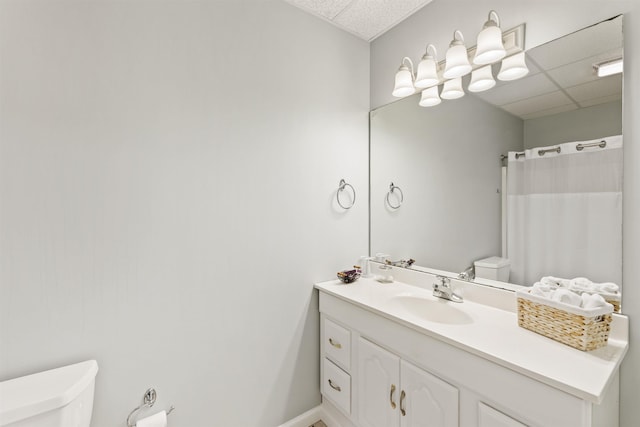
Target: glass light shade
{"x":427,"y":75}
{"x":452,"y":89}
{"x":489,"y":47}
{"x":481,"y":79}
{"x":404,"y":83}
{"x":430,"y":97}
{"x":457,"y":61}
{"x":513,"y":67}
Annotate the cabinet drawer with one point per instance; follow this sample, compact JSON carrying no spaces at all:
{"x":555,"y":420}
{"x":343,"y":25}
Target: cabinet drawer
{"x":337,"y":343}
{"x":336,"y":385}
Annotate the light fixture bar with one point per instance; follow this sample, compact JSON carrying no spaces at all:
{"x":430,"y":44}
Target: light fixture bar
{"x":609,"y":68}
{"x":513,"y":40}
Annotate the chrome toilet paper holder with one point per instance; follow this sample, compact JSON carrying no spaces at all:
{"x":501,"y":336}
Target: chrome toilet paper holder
{"x":148,"y":400}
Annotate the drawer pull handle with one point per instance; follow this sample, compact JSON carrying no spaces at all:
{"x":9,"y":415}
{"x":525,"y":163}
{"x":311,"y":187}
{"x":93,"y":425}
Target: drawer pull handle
{"x":402,"y":409}
{"x":335,"y":344}
{"x":335,"y":387}
{"x":393,"y":390}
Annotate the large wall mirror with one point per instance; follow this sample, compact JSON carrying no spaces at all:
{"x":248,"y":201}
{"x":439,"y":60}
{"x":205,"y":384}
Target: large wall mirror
{"x":457,"y":200}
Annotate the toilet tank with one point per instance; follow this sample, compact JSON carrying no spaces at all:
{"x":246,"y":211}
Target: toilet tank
{"x":494,"y":268}
{"x":61,"y":397}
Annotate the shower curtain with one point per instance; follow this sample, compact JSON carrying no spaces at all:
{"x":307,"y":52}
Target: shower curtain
{"x":564,"y":212}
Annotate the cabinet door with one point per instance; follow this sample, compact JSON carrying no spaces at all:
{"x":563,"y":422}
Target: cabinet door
{"x":378,"y":386}
{"x":426,"y":401}
{"x":489,"y":417}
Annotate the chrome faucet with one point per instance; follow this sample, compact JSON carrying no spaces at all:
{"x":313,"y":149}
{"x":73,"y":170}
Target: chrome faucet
{"x":469,"y":274}
{"x":442,"y":289}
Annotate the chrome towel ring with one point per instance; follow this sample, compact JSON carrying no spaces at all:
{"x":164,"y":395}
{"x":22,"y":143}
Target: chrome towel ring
{"x":148,"y":400}
{"x":341,"y":187}
{"x":393,"y":188}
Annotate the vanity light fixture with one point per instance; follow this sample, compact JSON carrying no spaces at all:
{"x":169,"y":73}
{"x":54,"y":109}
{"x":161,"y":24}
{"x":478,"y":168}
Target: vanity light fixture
{"x":427,"y":74}
{"x":404,"y":80}
{"x":452,"y":89}
{"x":609,"y":68}
{"x":513,"y":67}
{"x":430,"y":97}
{"x":493,"y":45}
{"x":457,"y":60}
{"x":489,"y":46}
{"x":481,"y":79}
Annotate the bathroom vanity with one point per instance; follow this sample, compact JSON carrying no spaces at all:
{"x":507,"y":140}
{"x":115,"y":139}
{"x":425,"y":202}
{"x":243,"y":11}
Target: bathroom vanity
{"x":394,"y":355}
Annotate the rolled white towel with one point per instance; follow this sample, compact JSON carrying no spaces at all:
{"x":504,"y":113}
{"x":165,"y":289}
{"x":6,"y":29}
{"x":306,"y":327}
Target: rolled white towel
{"x":567,"y":297}
{"x":608,"y":287}
{"x":592,"y":301}
{"x":551,"y":281}
{"x":581,"y":284}
{"x":541,"y":290}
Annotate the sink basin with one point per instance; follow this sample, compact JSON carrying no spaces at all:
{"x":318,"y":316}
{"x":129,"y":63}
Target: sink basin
{"x":431,"y":310}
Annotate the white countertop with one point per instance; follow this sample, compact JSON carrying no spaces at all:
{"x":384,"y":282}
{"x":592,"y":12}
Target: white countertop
{"x":494,"y":334}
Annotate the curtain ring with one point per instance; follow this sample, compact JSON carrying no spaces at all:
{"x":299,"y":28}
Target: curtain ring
{"x":343,"y":184}
{"x":392,"y":188}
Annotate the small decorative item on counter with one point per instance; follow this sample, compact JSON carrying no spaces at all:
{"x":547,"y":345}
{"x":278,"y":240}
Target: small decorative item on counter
{"x":350,"y":276}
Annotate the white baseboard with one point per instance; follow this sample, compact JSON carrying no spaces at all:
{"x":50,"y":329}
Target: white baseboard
{"x":325,"y":412}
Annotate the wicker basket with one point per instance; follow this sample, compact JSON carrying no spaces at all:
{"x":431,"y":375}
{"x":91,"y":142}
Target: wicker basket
{"x":584,"y":329}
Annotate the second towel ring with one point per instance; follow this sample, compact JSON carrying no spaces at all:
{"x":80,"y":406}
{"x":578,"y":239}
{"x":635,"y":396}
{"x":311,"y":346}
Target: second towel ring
{"x":392,"y":188}
{"x":341,"y":188}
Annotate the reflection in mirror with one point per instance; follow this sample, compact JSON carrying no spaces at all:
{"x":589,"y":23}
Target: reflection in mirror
{"x":564,"y":220}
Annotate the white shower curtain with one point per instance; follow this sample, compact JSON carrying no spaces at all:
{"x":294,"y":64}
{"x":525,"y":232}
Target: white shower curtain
{"x":564,"y":212}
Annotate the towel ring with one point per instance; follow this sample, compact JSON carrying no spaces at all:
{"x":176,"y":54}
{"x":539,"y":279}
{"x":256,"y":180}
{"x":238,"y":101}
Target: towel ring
{"x":343,"y":184}
{"x":392,"y":188}
{"x":148,"y":400}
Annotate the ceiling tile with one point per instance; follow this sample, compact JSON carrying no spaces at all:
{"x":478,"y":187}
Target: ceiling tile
{"x":600,"y":88}
{"x":597,"y":101}
{"x":370,"y":18}
{"x":591,"y":41}
{"x":581,"y":71}
{"x":519,"y":89}
{"x":549,"y":112}
{"x":325,"y":8}
{"x":538,"y":103}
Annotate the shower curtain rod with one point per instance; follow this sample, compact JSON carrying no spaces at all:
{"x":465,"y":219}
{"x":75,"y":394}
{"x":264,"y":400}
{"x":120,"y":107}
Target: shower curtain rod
{"x":579,"y":147}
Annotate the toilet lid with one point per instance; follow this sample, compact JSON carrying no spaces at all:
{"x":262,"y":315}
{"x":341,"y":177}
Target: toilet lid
{"x":30,"y":395}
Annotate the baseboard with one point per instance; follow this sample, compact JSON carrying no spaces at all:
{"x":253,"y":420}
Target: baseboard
{"x":326,"y":412}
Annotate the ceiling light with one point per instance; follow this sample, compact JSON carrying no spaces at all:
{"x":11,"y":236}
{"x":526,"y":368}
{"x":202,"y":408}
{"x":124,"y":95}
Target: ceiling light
{"x":489,"y":47}
{"x":513,"y":67}
{"x":427,"y":74}
{"x":452,"y":89}
{"x":481,"y":79}
{"x":404,"y":80}
{"x":457,"y":61}
{"x":609,"y":68}
{"x":430,"y":97}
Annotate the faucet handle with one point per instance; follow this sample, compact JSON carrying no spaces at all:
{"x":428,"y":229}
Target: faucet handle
{"x":443,"y":281}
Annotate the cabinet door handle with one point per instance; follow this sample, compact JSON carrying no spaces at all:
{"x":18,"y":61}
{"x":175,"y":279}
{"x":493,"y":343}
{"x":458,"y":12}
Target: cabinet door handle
{"x":335,"y":344}
{"x":335,"y":387}
{"x":402,"y":396}
{"x":393,"y":390}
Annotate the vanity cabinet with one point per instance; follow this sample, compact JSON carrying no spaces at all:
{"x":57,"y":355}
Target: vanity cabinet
{"x":395,"y":393}
{"x":391,"y":373}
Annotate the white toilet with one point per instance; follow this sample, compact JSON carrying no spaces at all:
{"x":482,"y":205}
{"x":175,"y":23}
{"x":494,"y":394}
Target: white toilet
{"x":61,"y":397}
{"x":494,"y":268}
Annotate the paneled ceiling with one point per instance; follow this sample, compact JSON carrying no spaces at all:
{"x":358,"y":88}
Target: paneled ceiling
{"x":366,"y":19}
{"x":561,"y":76}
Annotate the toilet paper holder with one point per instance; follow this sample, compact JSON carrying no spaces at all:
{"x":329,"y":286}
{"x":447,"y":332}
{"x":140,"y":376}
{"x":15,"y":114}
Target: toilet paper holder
{"x":148,"y":400}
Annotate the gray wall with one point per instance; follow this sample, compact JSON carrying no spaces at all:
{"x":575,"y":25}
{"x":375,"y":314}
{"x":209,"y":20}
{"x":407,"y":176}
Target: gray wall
{"x":428,"y":154}
{"x":167,"y":183}
{"x":584,"y":124}
{"x":545,"y":21}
